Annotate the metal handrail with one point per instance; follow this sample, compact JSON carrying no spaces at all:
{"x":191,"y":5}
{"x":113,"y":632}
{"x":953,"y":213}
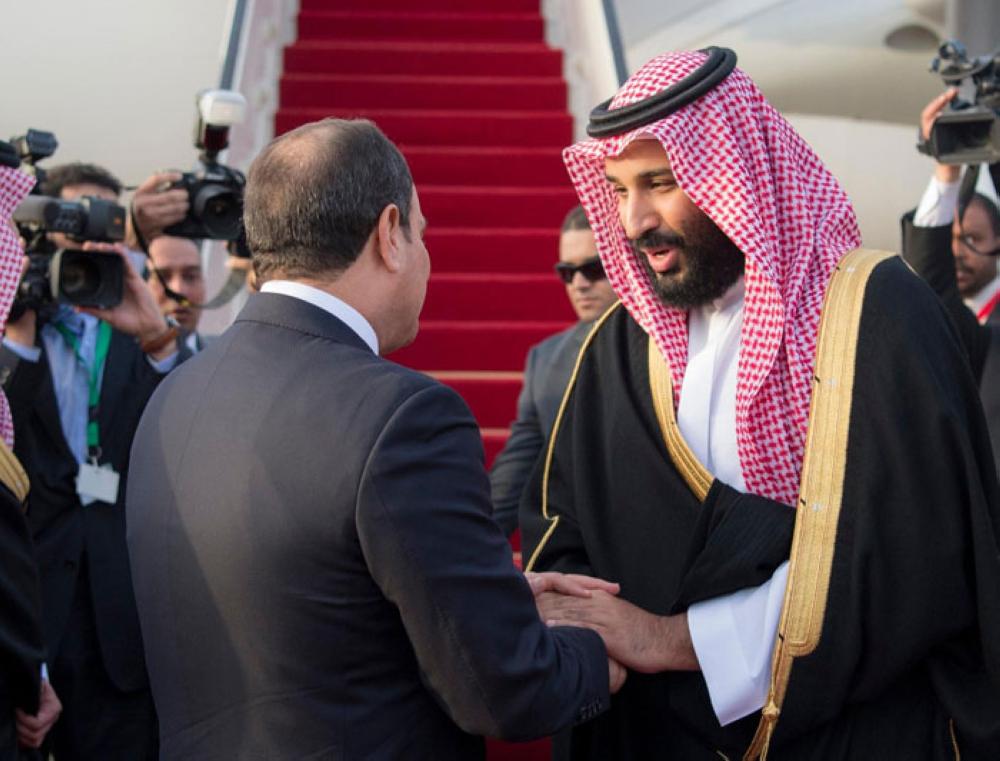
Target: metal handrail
{"x":233,"y":46}
{"x":615,"y":38}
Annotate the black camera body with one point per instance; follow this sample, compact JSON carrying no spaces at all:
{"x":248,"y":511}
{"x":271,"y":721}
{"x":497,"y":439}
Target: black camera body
{"x":967,"y":132}
{"x":215,"y":191}
{"x":70,"y":276}
{"x":67,"y":275}
{"x":215,"y":194}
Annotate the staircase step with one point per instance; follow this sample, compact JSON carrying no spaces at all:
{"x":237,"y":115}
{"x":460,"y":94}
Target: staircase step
{"x":468,"y":206}
{"x":355,"y":25}
{"x":496,"y":297}
{"x":473,"y":345}
{"x":456,"y":128}
{"x":479,"y":249}
{"x":437,"y":6}
{"x":363,"y":57}
{"x":485,"y":166}
{"x":470,"y":93}
{"x":492,"y":397}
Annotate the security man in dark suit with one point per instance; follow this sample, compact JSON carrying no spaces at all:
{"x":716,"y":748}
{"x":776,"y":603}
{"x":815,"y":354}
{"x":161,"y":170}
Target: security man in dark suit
{"x":317,"y":571}
{"x":549,"y":366}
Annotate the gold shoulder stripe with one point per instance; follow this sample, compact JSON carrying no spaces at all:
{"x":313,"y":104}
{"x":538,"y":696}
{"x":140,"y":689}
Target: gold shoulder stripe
{"x":12,"y":475}
{"x":661,"y":384}
{"x":554,"y":519}
{"x":822,"y":484}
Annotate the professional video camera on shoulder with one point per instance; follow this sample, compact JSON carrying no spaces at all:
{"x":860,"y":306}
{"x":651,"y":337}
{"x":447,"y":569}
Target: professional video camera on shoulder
{"x":967,"y":132}
{"x":69,"y":275}
{"x":215,"y":191}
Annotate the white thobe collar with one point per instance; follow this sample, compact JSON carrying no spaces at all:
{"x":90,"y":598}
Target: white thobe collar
{"x":982,"y":298}
{"x":706,"y":414}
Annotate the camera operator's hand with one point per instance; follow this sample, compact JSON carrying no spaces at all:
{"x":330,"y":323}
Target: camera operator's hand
{"x":22,"y":331}
{"x":155,"y":207}
{"x":138,"y":314}
{"x":944,"y":172}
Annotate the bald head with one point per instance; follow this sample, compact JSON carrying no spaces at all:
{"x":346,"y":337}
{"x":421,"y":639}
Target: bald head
{"x":314,"y":196}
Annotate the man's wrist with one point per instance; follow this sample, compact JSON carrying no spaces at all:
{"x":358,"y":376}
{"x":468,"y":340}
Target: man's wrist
{"x":156,"y":340}
{"x":675,"y":651}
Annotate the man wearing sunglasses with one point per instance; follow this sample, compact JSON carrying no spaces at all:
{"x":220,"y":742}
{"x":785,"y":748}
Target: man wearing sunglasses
{"x":549,"y":366}
{"x":968,"y":281}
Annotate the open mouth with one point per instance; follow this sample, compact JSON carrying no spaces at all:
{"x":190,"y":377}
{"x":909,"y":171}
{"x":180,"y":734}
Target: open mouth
{"x":662,"y":260}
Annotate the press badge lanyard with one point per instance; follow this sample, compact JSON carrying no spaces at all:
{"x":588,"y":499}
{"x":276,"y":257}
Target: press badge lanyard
{"x":93,"y":482}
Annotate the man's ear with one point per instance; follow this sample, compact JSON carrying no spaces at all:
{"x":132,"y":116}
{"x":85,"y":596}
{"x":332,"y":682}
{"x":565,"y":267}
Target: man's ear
{"x":387,"y":238}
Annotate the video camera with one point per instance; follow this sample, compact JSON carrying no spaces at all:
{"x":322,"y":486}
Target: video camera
{"x":967,"y":132}
{"x":68,"y":275}
{"x":215,"y":191}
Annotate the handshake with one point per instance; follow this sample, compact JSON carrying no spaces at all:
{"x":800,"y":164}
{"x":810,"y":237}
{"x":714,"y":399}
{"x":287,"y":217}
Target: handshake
{"x":635,"y":639}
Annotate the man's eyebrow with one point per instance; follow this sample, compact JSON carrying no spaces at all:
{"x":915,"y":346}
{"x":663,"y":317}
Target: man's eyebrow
{"x":647,"y":175}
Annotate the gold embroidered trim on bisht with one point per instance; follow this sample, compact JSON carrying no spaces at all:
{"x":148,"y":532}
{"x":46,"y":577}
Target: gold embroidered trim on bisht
{"x":554,"y":519}
{"x":822,"y":483}
{"x":661,"y":384}
{"x":12,"y":474}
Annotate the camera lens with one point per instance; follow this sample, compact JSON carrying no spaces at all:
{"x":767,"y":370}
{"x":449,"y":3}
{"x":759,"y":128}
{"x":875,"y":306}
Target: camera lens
{"x":219,"y":210}
{"x":80,"y":278}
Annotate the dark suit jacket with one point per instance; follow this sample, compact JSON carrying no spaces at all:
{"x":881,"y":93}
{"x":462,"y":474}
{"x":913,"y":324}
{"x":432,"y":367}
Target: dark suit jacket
{"x":65,"y":533}
{"x":546,"y":373}
{"x":21,"y":649}
{"x":928,"y":251}
{"x":317,"y":571}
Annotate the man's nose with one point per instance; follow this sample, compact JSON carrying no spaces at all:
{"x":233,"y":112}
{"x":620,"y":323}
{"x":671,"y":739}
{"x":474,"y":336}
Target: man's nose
{"x":579,"y":282}
{"x":638,"y":216}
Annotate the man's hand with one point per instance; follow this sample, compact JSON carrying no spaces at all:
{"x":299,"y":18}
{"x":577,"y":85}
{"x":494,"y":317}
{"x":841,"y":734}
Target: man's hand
{"x":574,"y":584}
{"x":944,"y":172}
{"x":639,"y":640}
{"x":31,"y":730}
{"x":138,"y":314}
{"x":155,"y":208}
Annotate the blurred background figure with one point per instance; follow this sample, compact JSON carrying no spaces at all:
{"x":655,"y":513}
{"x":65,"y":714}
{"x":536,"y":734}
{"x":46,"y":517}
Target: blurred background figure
{"x":549,"y":366}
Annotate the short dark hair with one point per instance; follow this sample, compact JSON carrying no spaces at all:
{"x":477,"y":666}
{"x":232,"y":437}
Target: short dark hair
{"x":990,"y":207}
{"x":315,"y":194}
{"x":576,"y":219}
{"x":78,"y":173}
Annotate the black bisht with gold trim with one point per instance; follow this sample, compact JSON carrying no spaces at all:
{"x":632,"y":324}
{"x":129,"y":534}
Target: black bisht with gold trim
{"x":905,"y":662}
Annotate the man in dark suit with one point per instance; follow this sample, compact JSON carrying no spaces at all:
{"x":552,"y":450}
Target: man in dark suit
{"x":549,"y":366}
{"x":49,"y":366}
{"x":316,"y":567}
{"x":958,"y":257}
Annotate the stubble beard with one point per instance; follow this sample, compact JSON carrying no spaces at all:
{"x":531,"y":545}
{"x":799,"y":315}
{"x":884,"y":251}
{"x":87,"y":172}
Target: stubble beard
{"x":709,"y":264}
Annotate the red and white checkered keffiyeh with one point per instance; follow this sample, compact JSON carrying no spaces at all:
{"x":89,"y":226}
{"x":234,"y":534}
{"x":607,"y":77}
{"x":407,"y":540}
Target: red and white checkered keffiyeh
{"x":745,"y":167}
{"x":14,"y":185}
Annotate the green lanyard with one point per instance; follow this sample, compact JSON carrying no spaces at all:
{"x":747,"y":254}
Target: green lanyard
{"x":94,"y":382}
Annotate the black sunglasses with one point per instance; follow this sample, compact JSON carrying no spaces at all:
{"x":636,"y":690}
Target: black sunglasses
{"x":592,"y":270}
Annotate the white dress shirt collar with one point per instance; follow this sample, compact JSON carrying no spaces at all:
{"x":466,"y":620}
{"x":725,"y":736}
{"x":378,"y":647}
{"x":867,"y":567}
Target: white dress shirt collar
{"x":328,"y":303}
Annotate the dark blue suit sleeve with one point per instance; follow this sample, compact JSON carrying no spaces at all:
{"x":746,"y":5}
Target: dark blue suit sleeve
{"x":429,"y":540}
{"x":512,"y":468}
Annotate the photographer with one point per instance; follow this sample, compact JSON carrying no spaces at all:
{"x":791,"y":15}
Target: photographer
{"x":175,"y":264}
{"x":78,"y":381}
{"x":957,"y":255}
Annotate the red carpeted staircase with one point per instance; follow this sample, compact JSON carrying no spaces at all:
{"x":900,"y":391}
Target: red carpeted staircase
{"x":476,"y":101}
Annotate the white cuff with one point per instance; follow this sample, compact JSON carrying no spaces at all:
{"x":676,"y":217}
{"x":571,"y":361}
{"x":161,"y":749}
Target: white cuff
{"x":937,"y":206}
{"x":27,"y":353}
{"x":733,"y":637}
{"x":164,"y":365}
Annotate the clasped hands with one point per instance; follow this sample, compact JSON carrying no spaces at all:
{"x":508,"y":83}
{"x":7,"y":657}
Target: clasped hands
{"x":635,"y":638}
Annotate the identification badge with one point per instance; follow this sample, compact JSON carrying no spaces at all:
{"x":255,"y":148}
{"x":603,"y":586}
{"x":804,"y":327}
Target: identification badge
{"x":97,"y":482}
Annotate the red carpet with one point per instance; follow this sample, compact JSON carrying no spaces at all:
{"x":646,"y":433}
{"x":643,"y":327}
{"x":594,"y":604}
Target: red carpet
{"x":476,"y":101}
